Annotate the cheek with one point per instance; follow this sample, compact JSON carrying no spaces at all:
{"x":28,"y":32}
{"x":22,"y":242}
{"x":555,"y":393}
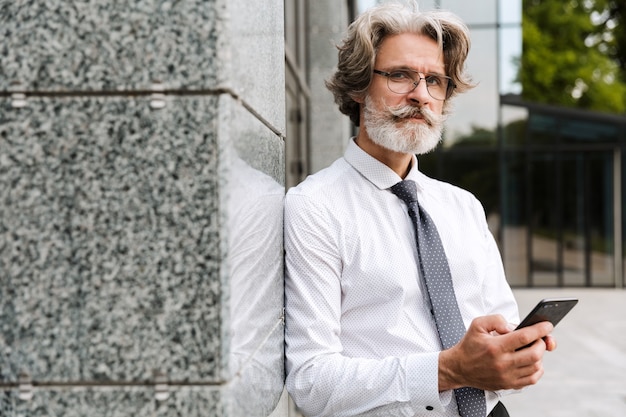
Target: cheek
{"x":437,"y":106}
{"x":379,"y":93}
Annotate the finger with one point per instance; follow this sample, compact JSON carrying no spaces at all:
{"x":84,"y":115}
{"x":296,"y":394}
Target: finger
{"x":517,"y":377}
{"x":508,"y":329}
{"x":528,"y":363}
{"x":492,"y":323}
{"x":526,"y":336}
{"x":530,"y":355}
{"x":550,"y":342}
{"x":528,"y":376}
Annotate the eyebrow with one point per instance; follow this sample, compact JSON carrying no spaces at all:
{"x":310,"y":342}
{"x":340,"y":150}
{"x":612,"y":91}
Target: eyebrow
{"x":405,"y":68}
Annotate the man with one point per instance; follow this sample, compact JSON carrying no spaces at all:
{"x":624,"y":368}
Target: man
{"x":362,"y":333}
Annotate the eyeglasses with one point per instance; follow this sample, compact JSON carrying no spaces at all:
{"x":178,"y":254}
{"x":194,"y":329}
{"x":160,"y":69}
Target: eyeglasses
{"x":440,"y":87}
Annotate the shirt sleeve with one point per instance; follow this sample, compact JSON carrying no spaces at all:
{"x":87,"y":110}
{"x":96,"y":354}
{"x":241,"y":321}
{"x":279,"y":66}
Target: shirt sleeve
{"x":320,"y":378}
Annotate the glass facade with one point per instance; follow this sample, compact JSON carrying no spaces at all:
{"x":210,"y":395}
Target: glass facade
{"x":561,"y":197}
{"x":550,"y":178}
{"x":297,"y":95}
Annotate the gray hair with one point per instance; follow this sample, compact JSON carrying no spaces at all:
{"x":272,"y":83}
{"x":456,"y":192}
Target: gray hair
{"x":357,"y":53}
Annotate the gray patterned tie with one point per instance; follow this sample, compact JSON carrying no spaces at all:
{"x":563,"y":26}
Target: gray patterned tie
{"x":435,"y":272}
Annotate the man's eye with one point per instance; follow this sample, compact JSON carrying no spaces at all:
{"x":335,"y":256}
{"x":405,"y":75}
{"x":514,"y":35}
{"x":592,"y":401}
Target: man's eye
{"x":433,"y":80}
{"x":399,"y":76}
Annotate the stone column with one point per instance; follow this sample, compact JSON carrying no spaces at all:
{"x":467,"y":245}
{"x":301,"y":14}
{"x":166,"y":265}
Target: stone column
{"x":141,"y":187}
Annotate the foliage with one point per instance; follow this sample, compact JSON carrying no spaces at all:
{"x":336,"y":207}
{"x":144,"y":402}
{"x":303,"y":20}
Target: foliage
{"x":574,"y":53}
{"x":613,"y":22}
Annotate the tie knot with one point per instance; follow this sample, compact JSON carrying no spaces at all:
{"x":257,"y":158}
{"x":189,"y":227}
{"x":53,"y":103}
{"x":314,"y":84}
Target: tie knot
{"x":406,"y":191}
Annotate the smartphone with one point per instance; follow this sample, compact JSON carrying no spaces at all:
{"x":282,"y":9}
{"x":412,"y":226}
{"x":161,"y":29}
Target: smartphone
{"x":549,"y":309}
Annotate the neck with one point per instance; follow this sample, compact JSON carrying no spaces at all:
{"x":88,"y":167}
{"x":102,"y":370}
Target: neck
{"x":399,"y":162}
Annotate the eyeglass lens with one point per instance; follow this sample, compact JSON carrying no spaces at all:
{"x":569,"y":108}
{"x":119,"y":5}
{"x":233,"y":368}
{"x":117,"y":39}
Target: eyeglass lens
{"x":401,"y":82}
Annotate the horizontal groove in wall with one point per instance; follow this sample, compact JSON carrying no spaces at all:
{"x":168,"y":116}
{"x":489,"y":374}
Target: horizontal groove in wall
{"x":148,"y":93}
{"x":109,"y":384}
{"x":117,"y":93}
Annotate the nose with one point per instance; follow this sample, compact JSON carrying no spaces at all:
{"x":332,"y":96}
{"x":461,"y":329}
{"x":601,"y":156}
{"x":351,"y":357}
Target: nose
{"x":420,"y":94}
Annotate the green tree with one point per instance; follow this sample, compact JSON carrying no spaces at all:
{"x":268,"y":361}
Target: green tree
{"x":571,"y":54}
{"x":613,"y":29}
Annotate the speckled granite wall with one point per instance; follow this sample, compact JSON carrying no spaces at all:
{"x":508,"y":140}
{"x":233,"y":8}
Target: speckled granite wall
{"x":141,"y":172}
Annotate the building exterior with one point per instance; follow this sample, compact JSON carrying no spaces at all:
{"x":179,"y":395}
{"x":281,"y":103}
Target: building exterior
{"x":144,"y":153}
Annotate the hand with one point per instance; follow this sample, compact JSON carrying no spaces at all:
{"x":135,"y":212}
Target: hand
{"x":490,"y":361}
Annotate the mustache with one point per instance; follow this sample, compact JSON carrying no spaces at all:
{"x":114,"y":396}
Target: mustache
{"x":407,"y":111}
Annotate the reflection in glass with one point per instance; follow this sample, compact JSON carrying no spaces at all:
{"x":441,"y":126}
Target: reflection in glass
{"x":479,"y":107}
{"x":514,"y":226}
{"x":573,"y":218}
{"x":510,"y":11}
{"x":514,"y":120}
{"x":585,"y":131}
{"x":472,"y":12}
{"x":476,"y":171}
{"x":589,"y":226}
{"x":558,"y":199}
{"x":544,"y":219}
{"x":543,"y":129}
{"x":255,"y":255}
{"x":510,"y":45}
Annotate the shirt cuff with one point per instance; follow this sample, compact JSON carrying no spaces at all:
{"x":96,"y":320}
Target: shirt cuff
{"x":422,"y":381}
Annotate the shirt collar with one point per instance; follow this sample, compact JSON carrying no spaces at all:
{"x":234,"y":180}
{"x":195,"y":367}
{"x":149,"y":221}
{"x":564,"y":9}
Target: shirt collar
{"x":375,"y":171}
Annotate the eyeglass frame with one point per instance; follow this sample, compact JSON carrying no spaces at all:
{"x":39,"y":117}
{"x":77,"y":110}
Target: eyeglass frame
{"x":449,"y":89}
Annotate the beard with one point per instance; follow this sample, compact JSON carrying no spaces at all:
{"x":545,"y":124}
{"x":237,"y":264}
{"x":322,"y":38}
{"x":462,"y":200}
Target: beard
{"x":388,"y":128}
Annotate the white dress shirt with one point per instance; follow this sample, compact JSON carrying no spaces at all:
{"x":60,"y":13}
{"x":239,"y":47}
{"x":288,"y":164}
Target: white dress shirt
{"x":360,"y":338}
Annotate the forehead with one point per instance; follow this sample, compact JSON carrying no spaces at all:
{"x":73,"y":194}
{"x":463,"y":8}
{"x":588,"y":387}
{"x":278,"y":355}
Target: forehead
{"x":410,"y":50}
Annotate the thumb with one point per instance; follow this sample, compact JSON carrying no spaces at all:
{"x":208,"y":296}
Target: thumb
{"x":492,"y":323}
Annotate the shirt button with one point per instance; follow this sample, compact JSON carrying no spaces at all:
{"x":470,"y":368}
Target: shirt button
{"x":429,"y":408}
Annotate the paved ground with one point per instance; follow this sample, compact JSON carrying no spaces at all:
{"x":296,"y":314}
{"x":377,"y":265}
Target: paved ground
{"x":586,"y":375}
